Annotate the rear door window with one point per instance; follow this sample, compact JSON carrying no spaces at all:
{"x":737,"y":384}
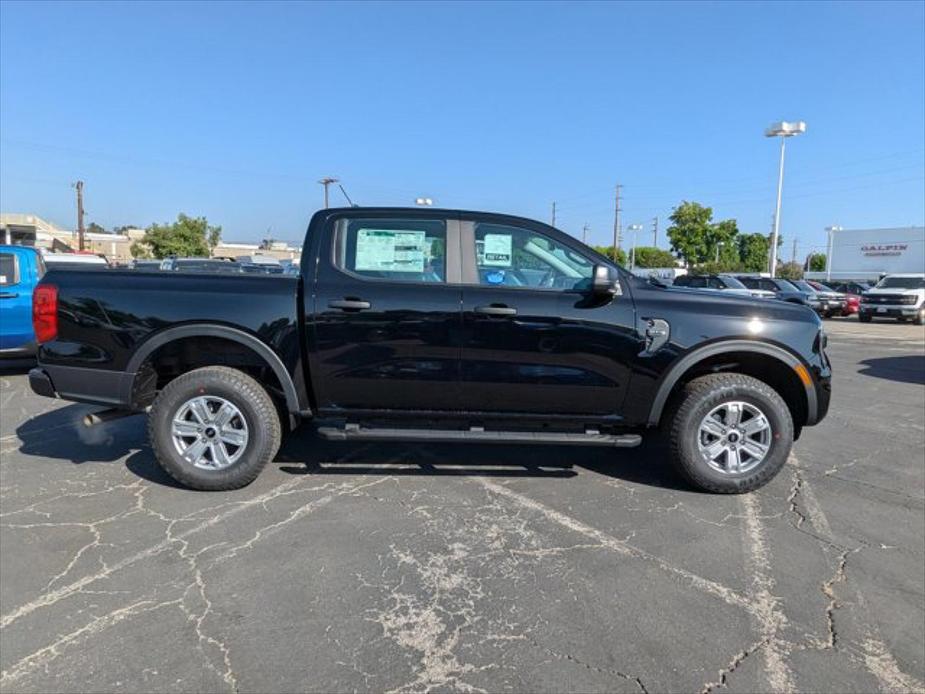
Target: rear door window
{"x":9,"y":269}
{"x":409,"y":250}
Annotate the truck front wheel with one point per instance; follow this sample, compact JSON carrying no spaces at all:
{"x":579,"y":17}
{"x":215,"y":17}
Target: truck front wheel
{"x":214,"y":428}
{"x":729,"y":433}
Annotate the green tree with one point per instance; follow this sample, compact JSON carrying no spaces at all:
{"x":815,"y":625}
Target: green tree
{"x":790,"y":271}
{"x":690,"y":227}
{"x":608,"y":252}
{"x":698,"y":239}
{"x":138,"y":249}
{"x":95,"y":228}
{"x":648,"y":256}
{"x":187,"y":237}
{"x":817,"y":262}
{"x":753,"y":252}
{"x":722,"y":238}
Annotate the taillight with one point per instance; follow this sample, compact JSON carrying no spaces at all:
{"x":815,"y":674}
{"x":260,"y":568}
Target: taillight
{"x":45,"y":312}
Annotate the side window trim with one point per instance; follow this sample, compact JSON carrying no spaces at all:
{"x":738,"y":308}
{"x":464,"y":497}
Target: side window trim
{"x":452,"y":260}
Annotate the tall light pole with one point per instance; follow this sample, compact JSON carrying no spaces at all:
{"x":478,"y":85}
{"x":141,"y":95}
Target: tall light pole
{"x":326,"y":181}
{"x":719,"y":244}
{"x":829,"y":250}
{"x":634,"y":228}
{"x":783,"y":130}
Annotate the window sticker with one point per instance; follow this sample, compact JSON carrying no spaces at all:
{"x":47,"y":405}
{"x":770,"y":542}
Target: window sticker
{"x":387,"y":250}
{"x":497,"y":250}
{"x":3,"y":279}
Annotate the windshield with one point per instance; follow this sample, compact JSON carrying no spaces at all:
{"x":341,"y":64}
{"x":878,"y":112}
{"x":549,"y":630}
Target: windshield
{"x":733,"y":283}
{"x":787,"y":286}
{"x":901,"y":283}
{"x":805,"y":286}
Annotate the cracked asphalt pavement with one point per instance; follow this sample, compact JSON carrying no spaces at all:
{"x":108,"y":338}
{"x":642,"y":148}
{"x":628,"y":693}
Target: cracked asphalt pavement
{"x":413,"y":567}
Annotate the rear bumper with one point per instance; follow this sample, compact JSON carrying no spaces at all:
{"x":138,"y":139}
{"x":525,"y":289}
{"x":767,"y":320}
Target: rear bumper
{"x":41,"y":384}
{"x":22,"y":352}
{"x":95,"y":386}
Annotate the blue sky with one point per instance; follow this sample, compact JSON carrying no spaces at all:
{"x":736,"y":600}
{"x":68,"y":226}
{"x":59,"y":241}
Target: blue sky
{"x":233,"y":111}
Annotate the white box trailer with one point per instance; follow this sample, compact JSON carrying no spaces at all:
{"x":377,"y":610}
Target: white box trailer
{"x":868,"y":254}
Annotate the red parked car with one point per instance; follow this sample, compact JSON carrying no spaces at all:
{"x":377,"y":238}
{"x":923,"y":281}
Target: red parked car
{"x":852,"y":292}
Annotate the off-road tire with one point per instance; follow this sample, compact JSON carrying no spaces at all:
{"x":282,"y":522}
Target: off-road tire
{"x":696,"y":400}
{"x":864,"y":319}
{"x":243,"y":392}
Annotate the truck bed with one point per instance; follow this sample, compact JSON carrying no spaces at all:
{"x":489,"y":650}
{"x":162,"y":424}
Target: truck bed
{"x":106,"y":316}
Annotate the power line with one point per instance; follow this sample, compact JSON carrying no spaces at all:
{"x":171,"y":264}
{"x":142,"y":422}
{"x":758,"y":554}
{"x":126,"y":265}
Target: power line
{"x":344,"y":192}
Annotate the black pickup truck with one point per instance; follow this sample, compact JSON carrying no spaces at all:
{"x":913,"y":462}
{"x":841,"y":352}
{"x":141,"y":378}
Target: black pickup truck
{"x":436,"y":325}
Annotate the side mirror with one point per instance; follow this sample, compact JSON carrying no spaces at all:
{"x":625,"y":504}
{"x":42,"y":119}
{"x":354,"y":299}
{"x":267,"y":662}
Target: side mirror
{"x":604,"y":281}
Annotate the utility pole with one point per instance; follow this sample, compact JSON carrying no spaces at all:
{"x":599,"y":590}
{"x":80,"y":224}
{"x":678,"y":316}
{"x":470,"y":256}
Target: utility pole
{"x":616,"y":222}
{"x":553,"y":214}
{"x":655,"y":232}
{"x":326,"y":181}
{"x":793,"y":256}
{"x":80,"y":214}
{"x":772,"y":246}
{"x":584,"y":234}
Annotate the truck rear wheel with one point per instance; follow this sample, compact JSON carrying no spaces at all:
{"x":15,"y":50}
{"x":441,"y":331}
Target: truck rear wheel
{"x":729,"y":433}
{"x":214,"y":428}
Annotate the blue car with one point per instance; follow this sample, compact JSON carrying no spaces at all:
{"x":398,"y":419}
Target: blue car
{"x":21,"y":267}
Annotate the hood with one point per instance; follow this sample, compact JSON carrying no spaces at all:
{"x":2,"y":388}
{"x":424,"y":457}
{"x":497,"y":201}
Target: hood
{"x":760,"y":305}
{"x":893,"y":290}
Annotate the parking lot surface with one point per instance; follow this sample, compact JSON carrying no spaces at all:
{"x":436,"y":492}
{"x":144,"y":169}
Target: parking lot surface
{"x":473,"y":568}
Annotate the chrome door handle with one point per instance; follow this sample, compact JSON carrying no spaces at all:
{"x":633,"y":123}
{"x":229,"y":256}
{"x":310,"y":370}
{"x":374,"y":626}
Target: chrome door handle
{"x":8,"y":295}
{"x":350,"y":304}
{"x":496,"y":310}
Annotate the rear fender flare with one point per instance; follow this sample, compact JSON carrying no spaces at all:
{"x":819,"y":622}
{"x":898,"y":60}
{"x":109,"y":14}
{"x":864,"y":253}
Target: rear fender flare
{"x":682,"y":365}
{"x":228,"y":333}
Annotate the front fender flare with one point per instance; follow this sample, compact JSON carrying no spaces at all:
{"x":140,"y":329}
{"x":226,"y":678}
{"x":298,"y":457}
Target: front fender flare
{"x":681,"y":366}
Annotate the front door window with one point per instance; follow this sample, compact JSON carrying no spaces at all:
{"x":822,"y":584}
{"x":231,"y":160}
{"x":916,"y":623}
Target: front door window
{"x":520,"y":258}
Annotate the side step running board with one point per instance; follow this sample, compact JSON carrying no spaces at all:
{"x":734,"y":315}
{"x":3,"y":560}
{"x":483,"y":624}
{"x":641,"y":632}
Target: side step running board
{"x":355,"y":433}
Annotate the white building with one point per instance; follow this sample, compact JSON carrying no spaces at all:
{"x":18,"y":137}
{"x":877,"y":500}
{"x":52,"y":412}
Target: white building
{"x":867,"y":254}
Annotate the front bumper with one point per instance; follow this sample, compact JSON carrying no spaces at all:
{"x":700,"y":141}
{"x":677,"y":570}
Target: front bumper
{"x":890,"y":310}
{"x":831,"y":306}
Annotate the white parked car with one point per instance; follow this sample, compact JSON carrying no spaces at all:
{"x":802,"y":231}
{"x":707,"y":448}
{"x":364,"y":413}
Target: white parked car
{"x":900,"y":296}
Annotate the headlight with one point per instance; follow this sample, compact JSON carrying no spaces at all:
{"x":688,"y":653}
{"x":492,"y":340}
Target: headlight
{"x":910,"y":299}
